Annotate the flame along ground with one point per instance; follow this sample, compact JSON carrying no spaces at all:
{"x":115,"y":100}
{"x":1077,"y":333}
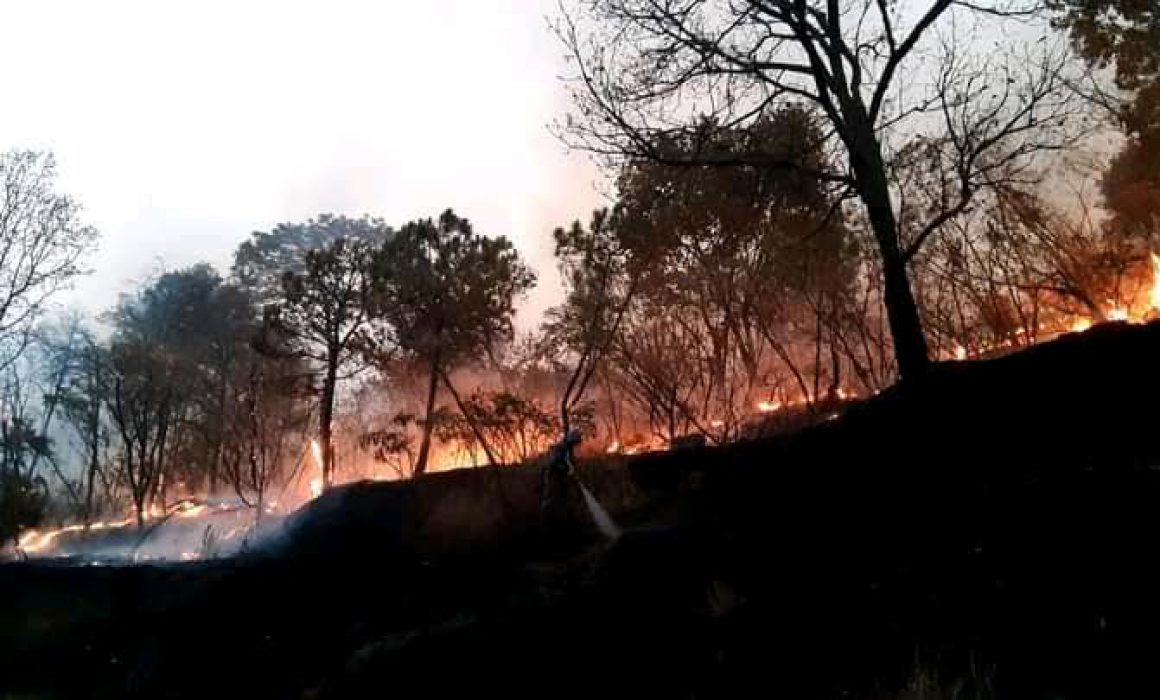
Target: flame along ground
{"x":1146,"y":308}
{"x":1154,"y":294}
{"x":316,"y":481}
{"x":42,"y":541}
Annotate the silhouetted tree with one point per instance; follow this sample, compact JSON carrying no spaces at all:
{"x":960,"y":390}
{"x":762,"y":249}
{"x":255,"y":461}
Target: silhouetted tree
{"x":323,"y":315}
{"x":514,"y":427}
{"x":42,"y":245}
{"x":144,"y":404}
{"x":261,"y":262}
{"x":266,"y":422}
{"x":201,"y":326}
{"x":600,"y":280}
{"x":1125,"y":35}
{"x":81,"y":401}
{"x":448,"y":293}
{"x":645,"y":70}
{"x":159,"y":393}
{"x":715,"y":277}
{"x":23,"y":491}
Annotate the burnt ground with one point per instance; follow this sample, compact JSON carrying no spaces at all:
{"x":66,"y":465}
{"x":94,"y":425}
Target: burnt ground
{"x":994,"y":528}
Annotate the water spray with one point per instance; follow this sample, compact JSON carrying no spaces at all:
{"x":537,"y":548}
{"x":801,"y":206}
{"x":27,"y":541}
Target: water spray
{"x":600,"y":516}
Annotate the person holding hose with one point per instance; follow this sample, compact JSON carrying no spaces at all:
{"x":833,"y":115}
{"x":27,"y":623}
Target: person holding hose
{"x":558,"y":473}
{"x":558,"y":469}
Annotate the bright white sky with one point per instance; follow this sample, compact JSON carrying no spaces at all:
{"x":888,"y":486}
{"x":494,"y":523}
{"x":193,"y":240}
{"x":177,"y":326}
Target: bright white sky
{"x":182,"y":127}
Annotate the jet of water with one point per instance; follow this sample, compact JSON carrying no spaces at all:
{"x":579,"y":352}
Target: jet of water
{"x":600,"y":516}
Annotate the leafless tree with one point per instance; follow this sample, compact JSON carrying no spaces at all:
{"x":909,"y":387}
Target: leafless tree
{"x":144,"y":407}
{"x":267,"y":420}
{"x":42,"y":245}
{"x":81,"y":400}
{"x":1020,"y":267}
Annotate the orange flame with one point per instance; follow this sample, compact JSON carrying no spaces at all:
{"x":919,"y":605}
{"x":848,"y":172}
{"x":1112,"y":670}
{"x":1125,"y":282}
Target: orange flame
{"x":316,"y":452}
{"x":1080,"y":325}
{"x":37,"y":541}
{"x":190,"y":510}
{"x":1154,"y":296}
{"x":316,"y":482}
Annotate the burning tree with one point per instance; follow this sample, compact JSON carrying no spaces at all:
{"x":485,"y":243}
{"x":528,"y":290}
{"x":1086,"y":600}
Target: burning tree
{"x":392,"y":445}
{"x":265,"y":430}
{"x":600,"y":279}
{"x":1020,"y":267}
{"x":174,"y":345}
{"x":646,"y":70}
{"x":448,"y":295}
{"x":515,"y":428}
{"x":323,"y":314}
{"x":143,"y":404}
{"x":707,"y":287}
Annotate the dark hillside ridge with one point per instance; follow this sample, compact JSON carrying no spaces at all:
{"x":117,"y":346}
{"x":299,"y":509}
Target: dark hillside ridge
{"x":998,"y":521}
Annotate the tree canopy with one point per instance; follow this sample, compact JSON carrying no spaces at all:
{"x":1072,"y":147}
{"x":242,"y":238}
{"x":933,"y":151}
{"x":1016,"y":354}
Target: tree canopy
{"x":448,"y":294}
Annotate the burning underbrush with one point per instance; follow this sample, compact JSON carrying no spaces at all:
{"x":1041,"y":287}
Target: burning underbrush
{"x":996,"y":515}
{"x":198,"y":528}
{"x":190,"y":529}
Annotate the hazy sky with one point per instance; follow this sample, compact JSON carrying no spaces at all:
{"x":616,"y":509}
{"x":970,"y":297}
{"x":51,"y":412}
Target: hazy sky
{"x":182,"y":127}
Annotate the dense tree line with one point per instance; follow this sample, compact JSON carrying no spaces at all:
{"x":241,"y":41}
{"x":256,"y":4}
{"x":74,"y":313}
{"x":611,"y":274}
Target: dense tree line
{"x":203,"y":383}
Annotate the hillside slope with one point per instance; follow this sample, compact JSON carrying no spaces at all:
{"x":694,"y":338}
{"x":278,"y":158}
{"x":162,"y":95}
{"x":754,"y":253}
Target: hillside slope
{"x":995,"y":522}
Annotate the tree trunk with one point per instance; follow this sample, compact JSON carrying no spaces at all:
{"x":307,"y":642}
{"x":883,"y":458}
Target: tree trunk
{"x":139,"y":508}
{"x":325,"y":419}
{"x":817,"y":356}
{"x":219,"y":433}
{"x":94,"y":461}
{"x":835,"y":365}
{"x":491,"y":460}
{"x":910,"y":349}
{"x":425,"y":445}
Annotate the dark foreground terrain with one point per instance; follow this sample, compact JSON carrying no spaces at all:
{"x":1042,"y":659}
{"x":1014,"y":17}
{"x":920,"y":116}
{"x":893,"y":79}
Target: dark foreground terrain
{"x":991,"y":531}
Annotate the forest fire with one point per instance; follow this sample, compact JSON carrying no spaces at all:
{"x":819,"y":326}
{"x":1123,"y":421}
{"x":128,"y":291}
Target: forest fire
{"x":1118,"y":313}
{"x":1078,"y":326}
{"x":1140,"y":304}
{"x":1137,"y":308}
{"x":636,"y":445}
{"x":41,"y":541}
{"x":1154,"y":296}
{"x":817,"y":262}
{"x":198,"y":517}
{"x":1140,"y":307}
